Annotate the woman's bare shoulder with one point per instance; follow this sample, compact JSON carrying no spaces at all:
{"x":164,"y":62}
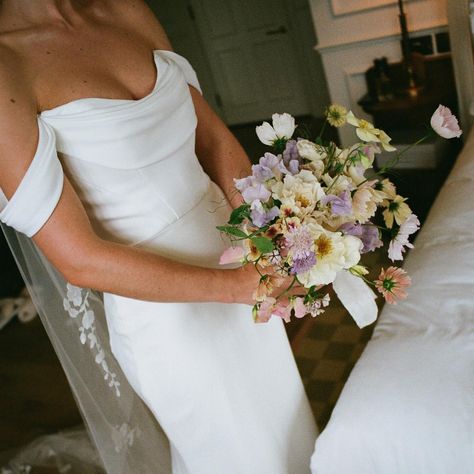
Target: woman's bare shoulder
{"x":15,"y":86}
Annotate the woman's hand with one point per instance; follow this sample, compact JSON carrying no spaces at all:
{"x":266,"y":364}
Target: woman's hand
{"x":247,"y":286}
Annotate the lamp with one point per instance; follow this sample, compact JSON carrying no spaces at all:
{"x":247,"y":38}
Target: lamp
{"x":411,"y":88}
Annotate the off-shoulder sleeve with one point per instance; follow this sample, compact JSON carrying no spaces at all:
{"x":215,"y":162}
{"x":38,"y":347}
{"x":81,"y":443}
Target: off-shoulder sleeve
{"x":186,"y":68}
{"x":40,"y":189}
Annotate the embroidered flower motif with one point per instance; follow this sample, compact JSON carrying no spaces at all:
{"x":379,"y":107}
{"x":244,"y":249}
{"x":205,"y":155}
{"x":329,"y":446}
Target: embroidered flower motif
{"x":77,"y":303}
{"x":124,"y":436}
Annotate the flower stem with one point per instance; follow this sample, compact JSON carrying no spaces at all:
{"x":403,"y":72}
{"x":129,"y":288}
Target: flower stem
{"x":397,"y":157}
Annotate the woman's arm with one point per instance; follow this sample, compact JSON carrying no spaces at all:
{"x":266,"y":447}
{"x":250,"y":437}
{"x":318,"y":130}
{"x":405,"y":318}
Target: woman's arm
{"x":219,"y":152}
{"x":67,"y":238}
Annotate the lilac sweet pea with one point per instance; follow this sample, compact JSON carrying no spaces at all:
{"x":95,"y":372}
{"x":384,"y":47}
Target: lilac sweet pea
{"x":269,"y":166}
{"x":367,"y":233}
{"x":340,"y":205}
{"x":260,"y":217}
{"x":251,"y":189}
{"x":291,"y":161}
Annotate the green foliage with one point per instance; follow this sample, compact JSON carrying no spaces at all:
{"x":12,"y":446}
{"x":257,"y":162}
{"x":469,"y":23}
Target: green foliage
{"x":239,"y":214}
{"x":228,"y":229}
{"x":263,"y":244}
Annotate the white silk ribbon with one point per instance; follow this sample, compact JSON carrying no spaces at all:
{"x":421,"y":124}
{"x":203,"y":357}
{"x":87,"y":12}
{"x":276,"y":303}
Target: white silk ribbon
{"x":357,"y":298}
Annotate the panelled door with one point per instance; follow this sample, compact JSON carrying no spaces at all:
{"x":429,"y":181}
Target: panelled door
{"x":252,"y":57}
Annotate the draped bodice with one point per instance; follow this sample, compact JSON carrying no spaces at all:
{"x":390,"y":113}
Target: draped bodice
{"x":132,"y":162}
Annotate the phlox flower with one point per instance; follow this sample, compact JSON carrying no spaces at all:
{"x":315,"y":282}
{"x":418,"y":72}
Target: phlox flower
{"x":316,"y":307}
{"x":392,"y":283}
{"x":444,"y":123}
{"x":282,"y":128}
{"x":397,"y":245}
{"x":396,"y":210}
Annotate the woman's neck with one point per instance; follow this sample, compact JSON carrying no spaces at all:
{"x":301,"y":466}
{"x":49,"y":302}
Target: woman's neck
{"x":39,"y":11}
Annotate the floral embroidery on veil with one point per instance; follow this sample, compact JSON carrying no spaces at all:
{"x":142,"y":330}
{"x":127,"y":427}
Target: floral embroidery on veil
{"x":76,"y":303}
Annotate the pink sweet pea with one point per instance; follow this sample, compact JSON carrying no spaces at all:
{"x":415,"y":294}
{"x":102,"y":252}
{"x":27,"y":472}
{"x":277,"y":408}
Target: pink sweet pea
{"x":283,"y":311}
{"x":263,"y":312}
{"x":299,"y":307}
{"x":232,"y":255}
{"x":444,"y":123}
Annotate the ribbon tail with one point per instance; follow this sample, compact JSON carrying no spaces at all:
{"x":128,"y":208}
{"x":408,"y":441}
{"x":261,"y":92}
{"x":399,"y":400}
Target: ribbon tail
{"x":357,"y":298}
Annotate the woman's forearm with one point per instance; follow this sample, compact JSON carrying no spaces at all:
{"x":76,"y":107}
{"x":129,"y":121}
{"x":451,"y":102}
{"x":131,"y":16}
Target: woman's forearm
{"x":136,"y":273}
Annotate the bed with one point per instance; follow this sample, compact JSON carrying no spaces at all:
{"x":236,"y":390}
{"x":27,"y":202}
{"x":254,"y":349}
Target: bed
{"x":408,"y":405}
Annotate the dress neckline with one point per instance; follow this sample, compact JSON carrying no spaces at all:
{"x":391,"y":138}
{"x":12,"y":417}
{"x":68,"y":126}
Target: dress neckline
{"x":81,"y":100}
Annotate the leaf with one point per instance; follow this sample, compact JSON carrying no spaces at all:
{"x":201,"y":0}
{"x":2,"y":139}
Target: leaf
{"x":263,"y":244}
{"x":239,"y":214}
{"x":232,"y":231}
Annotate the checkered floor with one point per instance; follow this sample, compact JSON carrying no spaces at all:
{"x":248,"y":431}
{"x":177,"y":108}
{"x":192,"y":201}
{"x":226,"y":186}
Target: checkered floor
{"x":326,"y":348}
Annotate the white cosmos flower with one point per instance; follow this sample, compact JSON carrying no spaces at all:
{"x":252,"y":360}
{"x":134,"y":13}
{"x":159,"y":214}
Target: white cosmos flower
{"x":283,"y":126}
{"x":334,"y":252}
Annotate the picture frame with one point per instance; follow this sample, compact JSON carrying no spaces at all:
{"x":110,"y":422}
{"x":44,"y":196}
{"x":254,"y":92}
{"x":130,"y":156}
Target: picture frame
{"x":343,"y":7}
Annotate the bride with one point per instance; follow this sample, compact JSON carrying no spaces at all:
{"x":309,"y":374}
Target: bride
{"x":116,"y":167}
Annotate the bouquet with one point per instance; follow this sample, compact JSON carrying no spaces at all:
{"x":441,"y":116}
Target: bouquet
{"x":311,"y":210}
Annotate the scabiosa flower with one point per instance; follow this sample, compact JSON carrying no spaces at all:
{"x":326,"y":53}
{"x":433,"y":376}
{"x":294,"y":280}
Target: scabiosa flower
{"x":336,"y":115}
{"x":303,"y":264}
{"x":391,"y":283}
{"x":397,"y":245}
{"x":299,"y":241}
{"x":396,"y":209}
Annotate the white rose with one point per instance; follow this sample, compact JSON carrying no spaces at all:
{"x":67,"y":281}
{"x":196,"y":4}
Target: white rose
{"x":300,"y":192}
{"x":331,"y":257}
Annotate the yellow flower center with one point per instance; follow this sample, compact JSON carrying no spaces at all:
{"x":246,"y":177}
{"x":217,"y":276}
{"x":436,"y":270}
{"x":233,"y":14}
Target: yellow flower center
{"x":303,"y":200}
{"x":323,"y":246}
{"x":364,"y":124}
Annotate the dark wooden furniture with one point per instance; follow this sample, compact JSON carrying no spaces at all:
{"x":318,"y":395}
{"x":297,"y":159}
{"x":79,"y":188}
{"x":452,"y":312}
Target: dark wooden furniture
{"x":401,"y":111}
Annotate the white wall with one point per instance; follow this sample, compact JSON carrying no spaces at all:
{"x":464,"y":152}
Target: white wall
{"x":348,"y":43}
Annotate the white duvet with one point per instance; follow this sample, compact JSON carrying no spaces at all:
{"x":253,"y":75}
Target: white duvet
{"x":408,"y":406}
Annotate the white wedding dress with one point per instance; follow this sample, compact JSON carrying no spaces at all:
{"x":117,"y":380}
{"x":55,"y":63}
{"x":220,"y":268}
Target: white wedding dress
{"x":225,"y":390}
